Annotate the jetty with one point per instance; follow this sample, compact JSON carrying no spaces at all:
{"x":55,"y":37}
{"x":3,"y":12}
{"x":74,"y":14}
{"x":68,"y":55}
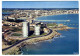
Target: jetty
{"x":55,"y":20}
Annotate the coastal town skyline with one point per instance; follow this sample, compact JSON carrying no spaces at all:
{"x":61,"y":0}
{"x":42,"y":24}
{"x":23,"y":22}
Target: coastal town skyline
{"x":40,"y":4}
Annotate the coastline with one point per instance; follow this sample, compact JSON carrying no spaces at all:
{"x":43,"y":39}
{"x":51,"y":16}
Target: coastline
{"x":34,"y":40}
{"x":55,"y":15}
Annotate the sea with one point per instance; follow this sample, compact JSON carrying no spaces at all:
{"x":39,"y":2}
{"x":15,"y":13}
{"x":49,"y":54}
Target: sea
{"x":65,"y":44}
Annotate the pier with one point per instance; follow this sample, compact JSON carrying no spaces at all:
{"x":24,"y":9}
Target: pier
{"x":55,"y":20}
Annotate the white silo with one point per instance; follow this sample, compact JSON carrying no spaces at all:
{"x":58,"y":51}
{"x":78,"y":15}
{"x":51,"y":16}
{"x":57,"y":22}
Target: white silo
{"x":37,"y":29}
{"x":25,"y":29}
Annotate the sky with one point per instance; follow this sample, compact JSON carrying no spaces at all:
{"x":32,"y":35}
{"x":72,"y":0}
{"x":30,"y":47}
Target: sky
{"x":39,"y":4}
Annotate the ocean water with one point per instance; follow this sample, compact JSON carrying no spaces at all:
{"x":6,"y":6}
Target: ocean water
{"x":39,"y":8}
{"x":66,"y":43}
{"x":6,"y":14}
{"x":72,"y":17}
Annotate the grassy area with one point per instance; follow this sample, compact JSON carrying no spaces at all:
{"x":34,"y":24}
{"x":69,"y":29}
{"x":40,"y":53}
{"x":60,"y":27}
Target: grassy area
{"x":16,"y":29}
{"x":36,"y":35}
{"x":43,"y":34}
{"x":31,"y":36}
{"x":51,"y":24}
{"x":16,"y":34}
{"x":9,"y":33}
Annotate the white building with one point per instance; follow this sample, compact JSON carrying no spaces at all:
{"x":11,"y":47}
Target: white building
{"x":25,"y":29}
{"x":37,"y":29}
{"x":46,"y":30}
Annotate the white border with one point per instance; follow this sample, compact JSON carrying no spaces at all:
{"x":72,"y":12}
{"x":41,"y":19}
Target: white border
{"x":1,"y":27}
{"x":31,"y":0}
{"x":40,"y":0}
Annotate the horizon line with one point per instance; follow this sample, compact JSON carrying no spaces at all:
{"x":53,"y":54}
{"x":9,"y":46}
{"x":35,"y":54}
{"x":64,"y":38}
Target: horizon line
{"x":49,"y":8}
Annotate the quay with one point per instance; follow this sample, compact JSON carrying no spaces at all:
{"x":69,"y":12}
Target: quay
{"x":55,"y":20}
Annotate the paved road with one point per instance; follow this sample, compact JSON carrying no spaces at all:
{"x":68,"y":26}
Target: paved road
{"x":50,"y":31}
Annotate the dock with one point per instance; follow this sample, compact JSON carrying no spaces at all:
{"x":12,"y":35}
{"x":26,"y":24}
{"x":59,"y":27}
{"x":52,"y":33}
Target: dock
{"x":55,"y":20}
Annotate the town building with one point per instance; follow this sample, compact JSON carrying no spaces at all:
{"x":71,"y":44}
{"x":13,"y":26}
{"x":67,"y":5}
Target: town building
{"x":46,"y":30}
{"x":60,"y":25}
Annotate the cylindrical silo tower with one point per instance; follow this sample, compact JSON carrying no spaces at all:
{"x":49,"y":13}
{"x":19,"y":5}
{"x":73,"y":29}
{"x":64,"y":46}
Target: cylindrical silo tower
{"x":37,"y":29}
{"x":25,"y":29}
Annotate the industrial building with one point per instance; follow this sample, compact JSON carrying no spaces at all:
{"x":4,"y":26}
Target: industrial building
{"x":25,"y":29}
